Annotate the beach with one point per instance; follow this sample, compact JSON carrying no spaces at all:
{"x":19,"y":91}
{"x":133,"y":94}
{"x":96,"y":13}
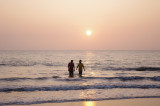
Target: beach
{"x":121,"y":102}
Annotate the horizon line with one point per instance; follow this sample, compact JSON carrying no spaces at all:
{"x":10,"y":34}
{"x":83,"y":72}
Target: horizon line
{"x":81,"y":50}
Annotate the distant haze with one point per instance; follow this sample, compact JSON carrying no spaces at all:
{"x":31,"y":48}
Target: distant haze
{"x":62,"y":24}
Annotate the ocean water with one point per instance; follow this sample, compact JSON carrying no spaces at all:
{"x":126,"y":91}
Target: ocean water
{"x":32,"y":77}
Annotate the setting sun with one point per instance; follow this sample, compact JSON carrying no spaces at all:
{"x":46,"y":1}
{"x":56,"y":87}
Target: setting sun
{"x":88,"y":32}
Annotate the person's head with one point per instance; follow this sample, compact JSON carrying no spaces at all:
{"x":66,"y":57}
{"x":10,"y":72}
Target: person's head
{"x":71,"y":61}
{"x":80,"y":61}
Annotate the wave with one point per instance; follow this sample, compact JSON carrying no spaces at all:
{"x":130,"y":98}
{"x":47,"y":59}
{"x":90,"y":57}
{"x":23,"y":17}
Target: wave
{"x":2,"y":64}
{"x":27,"y":64}
{"x":18,"y":64}
{"x":75,"y":100}
{"x":130,"y":78}
{"x":76,"y":87}
{"x":25,"y":78}
{"x":134,"y":69}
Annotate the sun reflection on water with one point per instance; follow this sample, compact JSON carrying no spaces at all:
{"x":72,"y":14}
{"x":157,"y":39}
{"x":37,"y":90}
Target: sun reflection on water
{"x":89,"y":103}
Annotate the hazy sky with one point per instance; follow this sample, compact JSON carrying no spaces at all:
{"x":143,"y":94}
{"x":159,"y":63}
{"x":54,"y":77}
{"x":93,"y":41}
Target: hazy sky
{"x":62,"y":24}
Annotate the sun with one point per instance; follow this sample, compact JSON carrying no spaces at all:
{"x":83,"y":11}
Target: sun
{"x":88,"y":32}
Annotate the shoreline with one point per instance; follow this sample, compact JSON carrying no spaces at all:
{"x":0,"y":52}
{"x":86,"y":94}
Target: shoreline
{"x":115,"y":102}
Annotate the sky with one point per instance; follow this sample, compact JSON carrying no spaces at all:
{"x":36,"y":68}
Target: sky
{"x":62,"y":24}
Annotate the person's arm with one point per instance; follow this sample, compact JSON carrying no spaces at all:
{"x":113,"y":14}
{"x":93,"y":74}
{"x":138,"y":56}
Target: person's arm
{"x":73,"y":68}
{"x":68,"y":66}
{"x":77,"y":67}
{"x":83,"y":68}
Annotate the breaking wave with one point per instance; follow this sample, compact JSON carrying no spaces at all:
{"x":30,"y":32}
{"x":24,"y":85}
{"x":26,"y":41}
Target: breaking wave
{"x":76,"y":87}
{"x":130,"y":78}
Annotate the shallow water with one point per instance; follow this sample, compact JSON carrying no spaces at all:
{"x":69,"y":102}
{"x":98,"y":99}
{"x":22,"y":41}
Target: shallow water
{"x":30,"y":77}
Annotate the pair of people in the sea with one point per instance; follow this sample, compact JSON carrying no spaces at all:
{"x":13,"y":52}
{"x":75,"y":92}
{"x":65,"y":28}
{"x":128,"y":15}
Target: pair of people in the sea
{"x":71,"y":68}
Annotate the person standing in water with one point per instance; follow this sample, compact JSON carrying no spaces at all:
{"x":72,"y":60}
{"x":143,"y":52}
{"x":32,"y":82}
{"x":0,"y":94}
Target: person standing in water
{"x":80,"y":67}
{"x":71,"y":68}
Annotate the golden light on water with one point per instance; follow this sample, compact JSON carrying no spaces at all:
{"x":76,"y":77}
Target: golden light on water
{"x":88,"y":95}
{"x":89,"y":103}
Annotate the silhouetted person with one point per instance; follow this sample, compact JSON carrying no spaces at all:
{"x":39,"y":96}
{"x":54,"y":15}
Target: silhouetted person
{"x":71,"y":68}
{"x":80,"y":67}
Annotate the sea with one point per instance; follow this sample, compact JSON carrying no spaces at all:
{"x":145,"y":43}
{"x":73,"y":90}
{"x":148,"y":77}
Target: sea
{"x":34,"y":77}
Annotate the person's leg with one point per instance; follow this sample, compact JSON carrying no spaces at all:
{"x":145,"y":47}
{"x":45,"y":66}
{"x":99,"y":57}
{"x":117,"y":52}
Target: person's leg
{"x":80,"y":73}
{"x":71,"y":73}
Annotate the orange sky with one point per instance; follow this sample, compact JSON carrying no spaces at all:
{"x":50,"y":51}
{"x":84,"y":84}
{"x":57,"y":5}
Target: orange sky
{"x":62,"y":24}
